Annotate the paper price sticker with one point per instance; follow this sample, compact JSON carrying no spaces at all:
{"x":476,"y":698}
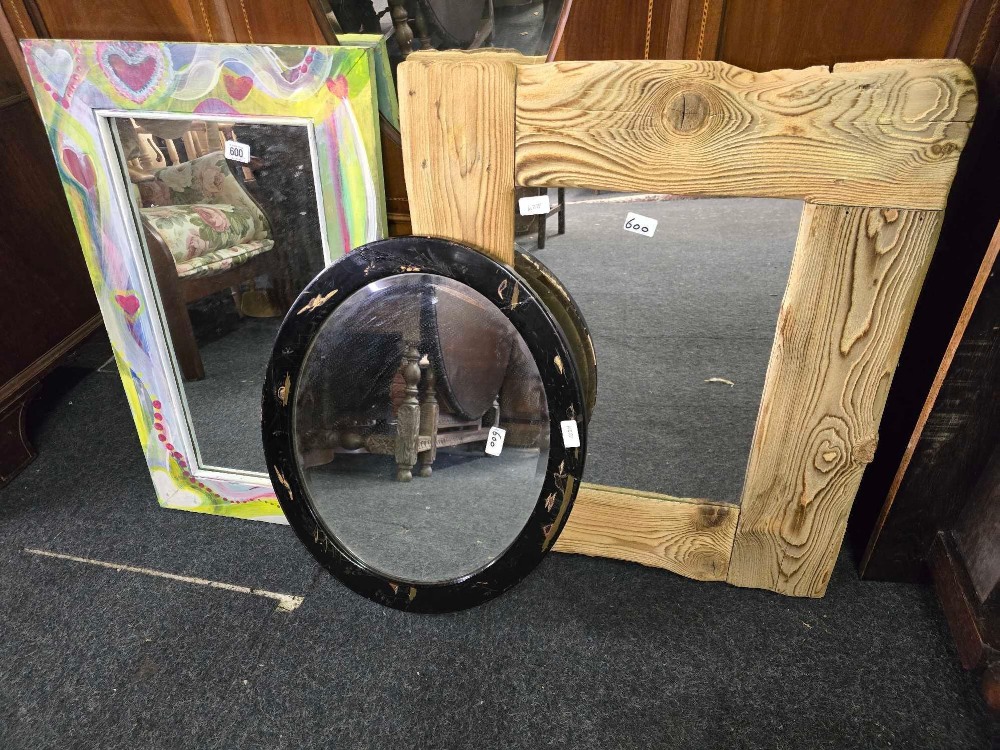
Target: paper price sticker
{"x":640,"y":224}
{"x":494,"y":441}
{"x":531,"y":205}
{"x":571,"y":436}
{"x":238,"y":151}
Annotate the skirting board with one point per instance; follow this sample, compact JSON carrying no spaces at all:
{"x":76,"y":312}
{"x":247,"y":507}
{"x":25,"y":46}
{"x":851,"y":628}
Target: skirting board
{"x":691,"y":537}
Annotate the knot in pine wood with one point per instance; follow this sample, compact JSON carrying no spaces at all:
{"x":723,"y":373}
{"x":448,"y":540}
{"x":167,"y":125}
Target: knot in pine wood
{"x":686,"y":111}
{"x":710,"y":516}
{"x":864,"y":450}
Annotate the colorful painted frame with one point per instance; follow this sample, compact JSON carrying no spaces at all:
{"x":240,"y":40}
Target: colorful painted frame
{"x":78,"y":84}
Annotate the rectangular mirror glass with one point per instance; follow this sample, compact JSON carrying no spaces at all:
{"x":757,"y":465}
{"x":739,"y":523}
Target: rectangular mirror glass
{"x":227,"y":216}
{"x":683,"y":323}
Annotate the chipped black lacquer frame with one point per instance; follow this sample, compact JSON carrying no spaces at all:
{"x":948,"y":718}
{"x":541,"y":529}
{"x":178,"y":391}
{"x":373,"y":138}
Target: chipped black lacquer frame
{"x":557,"y":365}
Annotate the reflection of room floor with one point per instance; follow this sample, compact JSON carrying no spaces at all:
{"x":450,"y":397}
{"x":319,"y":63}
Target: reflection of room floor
{"x":225,"y":405}
{"x":438,"y":527}
{"x":698,"y":300}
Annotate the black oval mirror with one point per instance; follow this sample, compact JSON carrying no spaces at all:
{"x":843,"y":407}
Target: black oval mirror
{"x":424,"y":423}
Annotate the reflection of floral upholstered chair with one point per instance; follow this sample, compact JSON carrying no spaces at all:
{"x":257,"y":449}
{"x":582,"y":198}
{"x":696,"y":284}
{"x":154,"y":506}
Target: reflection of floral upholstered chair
{"x":205,"y":234}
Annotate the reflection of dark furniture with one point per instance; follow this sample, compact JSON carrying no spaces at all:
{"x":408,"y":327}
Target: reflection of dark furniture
{"x":422,"y":375}
{"x":441,"y":24}
{"x":421,"y":426}
{"x":560,"y":209}
{"x":205,"y":234}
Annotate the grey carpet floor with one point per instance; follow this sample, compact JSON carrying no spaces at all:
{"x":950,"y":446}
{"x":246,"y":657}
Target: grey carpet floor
{"x":586,"y":653}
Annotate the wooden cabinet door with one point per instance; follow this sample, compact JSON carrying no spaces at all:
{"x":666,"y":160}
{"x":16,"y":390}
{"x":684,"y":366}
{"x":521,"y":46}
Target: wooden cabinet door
{"x":759,"y":34}
{"x":47,"y":304}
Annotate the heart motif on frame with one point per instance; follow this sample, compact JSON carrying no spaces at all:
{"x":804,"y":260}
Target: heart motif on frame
{"x":56,"y":68}
{"x":134,"y":69}
{"x":238,"y":87}
{"x":129,"y":304}
{"x":80,"y":167}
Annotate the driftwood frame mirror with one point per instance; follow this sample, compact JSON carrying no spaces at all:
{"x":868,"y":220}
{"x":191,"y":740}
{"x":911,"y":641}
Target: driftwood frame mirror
{"x":871,"y":148}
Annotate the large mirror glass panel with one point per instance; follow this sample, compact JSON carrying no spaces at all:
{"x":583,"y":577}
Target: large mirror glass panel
{"x":682,"y":323}
{"x":392,"y":418}
{"x":231,"y":235}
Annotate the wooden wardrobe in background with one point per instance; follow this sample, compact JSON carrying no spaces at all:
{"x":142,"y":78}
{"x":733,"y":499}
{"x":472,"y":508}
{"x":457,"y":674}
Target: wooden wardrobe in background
{"x":47,"y":303}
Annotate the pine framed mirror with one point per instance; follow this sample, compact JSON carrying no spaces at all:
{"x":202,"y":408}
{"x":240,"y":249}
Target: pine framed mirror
{"x":871,"y":148}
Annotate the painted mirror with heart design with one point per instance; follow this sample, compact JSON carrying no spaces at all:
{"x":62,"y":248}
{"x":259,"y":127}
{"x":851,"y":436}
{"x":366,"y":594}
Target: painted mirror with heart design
{"x":209,"y":183}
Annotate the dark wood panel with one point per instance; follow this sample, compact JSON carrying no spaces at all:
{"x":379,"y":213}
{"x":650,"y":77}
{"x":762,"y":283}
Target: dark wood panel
{"x":704,"y":21}
{"x":601,"y":30}
{"x":44,"y":288}
{"x":978,"y":531}
{"x":270,"y":22}
{"x":760,"y":34}
{"x":152,"y":20}
{"x":974,"y":625}
{"x":769,"y":34}
{"x":10,"y":78}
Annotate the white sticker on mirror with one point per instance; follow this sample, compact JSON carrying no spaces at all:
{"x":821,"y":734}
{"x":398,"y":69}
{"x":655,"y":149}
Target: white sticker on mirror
{"x":532,"y":205}
{"x":494,"y":442}
{"x":571,"y":436}
{"x":640,"y":224}
{"x":238,"y":151}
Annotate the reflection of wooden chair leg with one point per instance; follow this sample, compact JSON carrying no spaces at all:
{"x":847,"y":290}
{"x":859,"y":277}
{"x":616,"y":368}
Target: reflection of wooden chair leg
{"x":561,"y":193}
{"x":428,"y":420}
{"x":559,"y":209}
{"x":408,"y":417}
{"x":175,"y":310}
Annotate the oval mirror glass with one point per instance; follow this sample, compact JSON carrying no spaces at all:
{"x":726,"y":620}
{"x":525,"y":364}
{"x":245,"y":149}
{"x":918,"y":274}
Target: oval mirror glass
{"x":396,"y":400}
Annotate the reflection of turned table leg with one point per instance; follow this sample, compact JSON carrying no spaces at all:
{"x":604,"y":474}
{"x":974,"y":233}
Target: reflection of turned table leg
{"x":408,"y":417}
{"x":428,"y":419}
{"x":400,"y":22}
{"x":15,"y":450}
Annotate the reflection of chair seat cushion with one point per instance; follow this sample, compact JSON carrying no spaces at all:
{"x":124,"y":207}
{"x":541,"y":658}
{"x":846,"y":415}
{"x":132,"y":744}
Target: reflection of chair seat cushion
{"x":223,"y":260}
{"x":200,"y":229}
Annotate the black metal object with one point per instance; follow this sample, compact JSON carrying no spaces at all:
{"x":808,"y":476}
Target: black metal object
{"x":557,"y":365}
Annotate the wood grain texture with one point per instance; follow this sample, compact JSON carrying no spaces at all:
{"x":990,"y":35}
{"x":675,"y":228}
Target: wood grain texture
{"x":864,"y":134}
{"x":690,"y":537}
{"x":855,"y":277}
{"x":483,"y":54}
{"x":458,"y":115}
